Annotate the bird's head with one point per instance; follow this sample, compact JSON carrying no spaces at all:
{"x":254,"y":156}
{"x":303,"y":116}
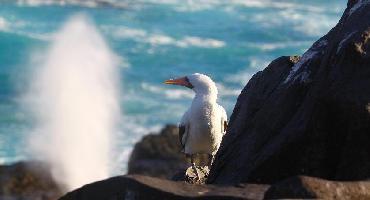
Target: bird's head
{"x":200,"y":83}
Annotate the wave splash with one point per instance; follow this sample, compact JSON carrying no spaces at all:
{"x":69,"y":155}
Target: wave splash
{"x":74,"y":98}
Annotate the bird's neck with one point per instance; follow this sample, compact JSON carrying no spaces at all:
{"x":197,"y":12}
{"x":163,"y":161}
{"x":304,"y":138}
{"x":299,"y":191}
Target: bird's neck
{"x":206,"y":97}
{"x":206,"y":93}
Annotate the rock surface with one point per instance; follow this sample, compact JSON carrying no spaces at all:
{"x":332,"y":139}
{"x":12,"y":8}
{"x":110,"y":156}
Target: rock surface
{"x":313,"y":188}
{"x":305,"y":116}
{"x":146,"y":188}
{"x":142,"y":188}
{"x":27,"y":180}
{"x":158,"y":155}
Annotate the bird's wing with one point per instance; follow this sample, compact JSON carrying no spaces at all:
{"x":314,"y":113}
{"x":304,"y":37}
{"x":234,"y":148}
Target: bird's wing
{"x":224,"y":122}
{"x":183,"y":130}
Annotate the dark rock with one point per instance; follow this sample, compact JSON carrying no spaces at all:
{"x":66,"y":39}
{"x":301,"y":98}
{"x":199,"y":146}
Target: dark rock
{"x":308,"y":187}
{"x":27,"y":180}
{"x":158,"y":155}
{"x":141,"y":187}
{"x":308,"y":117}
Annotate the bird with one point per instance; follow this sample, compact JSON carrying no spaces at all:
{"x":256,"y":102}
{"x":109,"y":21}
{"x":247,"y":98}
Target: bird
{"x":204,"y":124}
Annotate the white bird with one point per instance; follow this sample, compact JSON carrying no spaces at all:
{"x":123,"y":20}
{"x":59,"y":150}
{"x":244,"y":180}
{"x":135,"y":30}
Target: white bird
{"x":203,"y":125}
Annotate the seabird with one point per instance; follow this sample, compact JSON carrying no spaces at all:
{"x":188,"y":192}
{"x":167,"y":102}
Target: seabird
{"x":203,"y":125}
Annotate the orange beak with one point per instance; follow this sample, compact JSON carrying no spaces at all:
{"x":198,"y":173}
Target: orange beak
{"x":183,"y":81}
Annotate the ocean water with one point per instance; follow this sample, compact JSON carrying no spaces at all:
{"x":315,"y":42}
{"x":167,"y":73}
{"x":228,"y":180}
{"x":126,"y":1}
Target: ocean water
{"x":229,"y":40}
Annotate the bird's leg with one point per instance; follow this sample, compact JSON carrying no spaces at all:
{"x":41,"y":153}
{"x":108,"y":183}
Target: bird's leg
{"x":193,"y":166}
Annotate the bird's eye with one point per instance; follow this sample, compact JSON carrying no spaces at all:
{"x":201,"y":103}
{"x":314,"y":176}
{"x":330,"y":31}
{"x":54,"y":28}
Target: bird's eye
{"x":189,"y":85}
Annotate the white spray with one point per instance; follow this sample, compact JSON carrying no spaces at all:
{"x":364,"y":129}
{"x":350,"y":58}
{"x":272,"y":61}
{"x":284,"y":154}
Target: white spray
{"x":75,"y":100}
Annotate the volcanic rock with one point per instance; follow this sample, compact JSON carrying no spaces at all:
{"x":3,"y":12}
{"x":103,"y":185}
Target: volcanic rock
{"x":27,"y":180}
{"x":305,"y":116}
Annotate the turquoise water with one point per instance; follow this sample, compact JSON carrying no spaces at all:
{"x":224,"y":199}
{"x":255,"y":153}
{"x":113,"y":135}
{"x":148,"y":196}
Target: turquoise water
{"x":157,"y":40}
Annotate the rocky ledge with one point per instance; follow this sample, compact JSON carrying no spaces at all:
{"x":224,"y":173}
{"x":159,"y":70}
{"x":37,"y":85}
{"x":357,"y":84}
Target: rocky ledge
{"x":300,"y":118}
{"x":146,"y":188}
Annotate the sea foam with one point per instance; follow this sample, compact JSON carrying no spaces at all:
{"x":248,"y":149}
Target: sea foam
{"x":160,"y":39}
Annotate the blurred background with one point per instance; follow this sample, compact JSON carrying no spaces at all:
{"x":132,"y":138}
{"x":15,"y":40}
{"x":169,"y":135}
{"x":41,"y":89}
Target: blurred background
{"x":155,"y":40}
